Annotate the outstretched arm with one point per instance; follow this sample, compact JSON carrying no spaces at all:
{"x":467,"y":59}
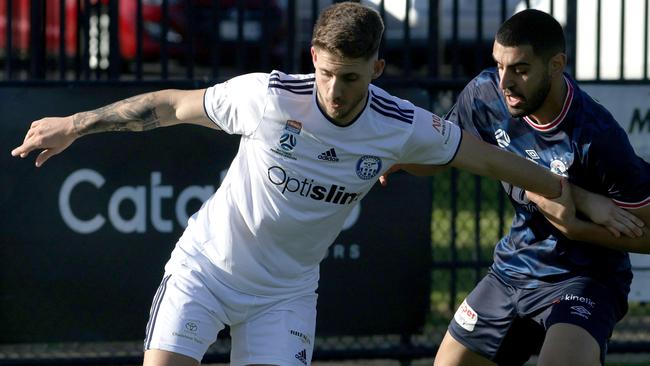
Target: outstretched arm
{"x":481,"y":158}
{"x":561,"y":213}
{"x":139,"y":113}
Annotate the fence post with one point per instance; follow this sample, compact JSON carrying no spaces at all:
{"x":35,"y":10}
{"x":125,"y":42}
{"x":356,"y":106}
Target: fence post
{"x":37,"y":39}
{"x":570,"y":32}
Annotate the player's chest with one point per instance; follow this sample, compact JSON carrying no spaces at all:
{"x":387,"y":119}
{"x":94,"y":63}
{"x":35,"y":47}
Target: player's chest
{"x":313,"y":151}
{"x":553,"y":150}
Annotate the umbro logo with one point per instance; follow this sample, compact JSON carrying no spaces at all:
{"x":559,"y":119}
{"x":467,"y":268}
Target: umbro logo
{"x":302,"y":356}
{"x":329,"y":155}
{"x":580,"y":311}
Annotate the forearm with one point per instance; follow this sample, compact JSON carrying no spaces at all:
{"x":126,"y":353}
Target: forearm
{"x":523,"y":173}
{"x":481,"y":158}
{"x":589,"y":232}
{"x":139,"y":113}
{"x":423,"y":170}
{"x":582,"y":198}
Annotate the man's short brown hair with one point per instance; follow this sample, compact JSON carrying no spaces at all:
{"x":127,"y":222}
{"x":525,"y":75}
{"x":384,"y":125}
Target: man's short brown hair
{"x":348,"y":30}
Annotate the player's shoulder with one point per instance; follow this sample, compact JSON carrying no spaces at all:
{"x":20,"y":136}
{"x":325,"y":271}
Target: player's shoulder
{"x":280,"y":83}
{"x":390,"y":109}
{"x":484,"y":87}
{"x":590,"y":114}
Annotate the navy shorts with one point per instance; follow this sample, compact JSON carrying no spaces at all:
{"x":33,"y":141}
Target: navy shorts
{"x":507,"y":324}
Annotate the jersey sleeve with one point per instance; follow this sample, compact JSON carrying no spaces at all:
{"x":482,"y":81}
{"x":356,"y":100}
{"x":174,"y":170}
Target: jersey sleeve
{"x":237,"y":105}
{"x":433,"y":141}
{"x":624,"y":175}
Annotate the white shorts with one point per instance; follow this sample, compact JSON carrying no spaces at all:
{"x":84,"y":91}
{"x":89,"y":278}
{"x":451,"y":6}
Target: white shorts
{"x":187,"y":313}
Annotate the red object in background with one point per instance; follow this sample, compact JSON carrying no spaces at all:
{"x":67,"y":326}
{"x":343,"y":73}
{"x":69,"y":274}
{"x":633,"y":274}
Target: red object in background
{"x":177,"y":31}
{"x":20,"y":26}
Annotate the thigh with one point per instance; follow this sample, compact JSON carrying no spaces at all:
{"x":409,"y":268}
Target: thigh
{"x":279,"y":332}
{"x":182,"y":318}
{"x":453,"y":353}
{"x":569,"y":345}
{"x":593,"y":310}
{"x":484,"y":318}
{"x":156,"y":357}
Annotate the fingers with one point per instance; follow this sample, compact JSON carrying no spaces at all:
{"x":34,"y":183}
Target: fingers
{"x":534,"y":197}
{"x":31,"y":143}
{"x":22,"y":151}
{"x":27,"y":146}
{"x":44,"y":155}
{"x":383,"y":180}
{"x":613,"y":231}
{"x":627,"y":227}
{"x":631,"y":217}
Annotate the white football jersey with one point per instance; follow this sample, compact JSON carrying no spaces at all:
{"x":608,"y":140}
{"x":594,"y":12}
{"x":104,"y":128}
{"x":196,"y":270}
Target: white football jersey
{"x":297,"y":176}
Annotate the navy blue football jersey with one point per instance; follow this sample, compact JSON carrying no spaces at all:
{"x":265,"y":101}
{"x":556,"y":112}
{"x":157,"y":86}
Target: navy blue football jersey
{"x":585,"y":144}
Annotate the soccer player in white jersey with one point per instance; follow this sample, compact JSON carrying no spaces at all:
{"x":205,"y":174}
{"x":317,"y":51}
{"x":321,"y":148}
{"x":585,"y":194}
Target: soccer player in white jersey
{"x":311,"y":147}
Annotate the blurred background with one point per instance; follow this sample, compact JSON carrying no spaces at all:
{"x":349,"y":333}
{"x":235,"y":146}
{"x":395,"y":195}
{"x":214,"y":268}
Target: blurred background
{"x":84,"y":239}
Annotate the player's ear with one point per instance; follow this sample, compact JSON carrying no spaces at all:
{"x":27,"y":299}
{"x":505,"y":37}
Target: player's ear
{"x":557,"y":64}
{"x":314,"y":57}
{"x":378,"y":68}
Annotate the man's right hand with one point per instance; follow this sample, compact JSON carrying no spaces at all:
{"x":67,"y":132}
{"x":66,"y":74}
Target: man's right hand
{"x":51,"y":135}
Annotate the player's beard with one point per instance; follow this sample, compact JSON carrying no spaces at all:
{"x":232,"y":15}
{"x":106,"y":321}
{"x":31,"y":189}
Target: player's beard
{"x":348,"y":108}
{"x":534,"y":101}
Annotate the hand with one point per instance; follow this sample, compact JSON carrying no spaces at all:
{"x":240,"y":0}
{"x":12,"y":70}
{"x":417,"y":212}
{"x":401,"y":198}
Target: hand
{"x":602,"y":210}
{"x":599,"y":209}
{"x":51,"y":135}
{"x":560,"y":211}
{"x":383,"y":180}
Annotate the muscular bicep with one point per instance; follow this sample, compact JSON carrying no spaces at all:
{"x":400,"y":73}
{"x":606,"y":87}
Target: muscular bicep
{"x":189,"y":107}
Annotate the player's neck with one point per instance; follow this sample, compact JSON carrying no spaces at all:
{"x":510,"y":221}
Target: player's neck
{"x":553,"y":104}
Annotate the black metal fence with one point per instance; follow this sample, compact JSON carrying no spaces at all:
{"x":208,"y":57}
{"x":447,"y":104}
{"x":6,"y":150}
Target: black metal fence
{"x":433,"y":48}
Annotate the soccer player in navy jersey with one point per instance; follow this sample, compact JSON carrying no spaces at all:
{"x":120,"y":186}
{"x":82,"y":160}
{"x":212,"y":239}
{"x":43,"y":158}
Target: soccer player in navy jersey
{"x":559,"y":283}
{"x":311,"y":146}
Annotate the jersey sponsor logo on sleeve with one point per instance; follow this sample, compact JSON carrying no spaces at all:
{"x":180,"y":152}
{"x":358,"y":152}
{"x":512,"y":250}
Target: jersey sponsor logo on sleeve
{"x":441,"y":126}
{"x":466,"y":317}
{"x":308,"y":188}
{"x":368,"y":167}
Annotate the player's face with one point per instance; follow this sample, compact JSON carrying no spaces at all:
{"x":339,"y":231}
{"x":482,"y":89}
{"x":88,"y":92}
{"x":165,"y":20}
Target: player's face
{"x":525,"y":78}
{"x":342,"y":83}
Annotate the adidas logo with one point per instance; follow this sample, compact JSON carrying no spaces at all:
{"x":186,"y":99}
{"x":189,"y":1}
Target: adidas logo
{"x":302,"y":356}
{"x":329,"y":155}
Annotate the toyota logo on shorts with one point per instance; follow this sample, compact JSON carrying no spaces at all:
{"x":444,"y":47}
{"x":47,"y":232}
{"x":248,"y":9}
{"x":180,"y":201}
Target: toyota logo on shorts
{"x":191,"y":326}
